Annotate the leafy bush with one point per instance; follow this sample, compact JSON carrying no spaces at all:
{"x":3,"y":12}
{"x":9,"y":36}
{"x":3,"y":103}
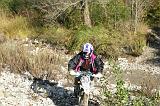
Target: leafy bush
{"x":121,"y":96}
{"x":153,"y":14}
{"x":14,"y":6}
{"x":101,"y":38}
{"x":108,"y":43}
{"x":56,"y":36}
{"x":109,"y":13}
{"x":71,"y":19}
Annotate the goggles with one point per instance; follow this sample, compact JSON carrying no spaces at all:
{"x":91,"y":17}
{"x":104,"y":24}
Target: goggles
{"x":86,"y":55}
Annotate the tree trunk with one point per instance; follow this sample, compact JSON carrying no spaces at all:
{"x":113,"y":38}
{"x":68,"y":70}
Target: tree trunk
{"x":136,"y":17}
{"x":115,"y":15}
{"x":87,"y":20}
{"x":132,"y":14}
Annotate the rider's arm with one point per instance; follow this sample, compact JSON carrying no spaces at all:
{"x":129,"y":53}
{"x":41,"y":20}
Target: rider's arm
{"x":99,"y":64}
{"x":73,"y":62}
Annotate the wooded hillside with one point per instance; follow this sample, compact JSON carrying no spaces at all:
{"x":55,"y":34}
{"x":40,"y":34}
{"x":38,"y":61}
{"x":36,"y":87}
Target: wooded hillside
{"x":114,"y":26}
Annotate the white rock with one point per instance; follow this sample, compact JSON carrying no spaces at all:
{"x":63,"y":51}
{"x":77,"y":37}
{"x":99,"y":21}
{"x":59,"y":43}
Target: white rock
{"x":1,"y":94}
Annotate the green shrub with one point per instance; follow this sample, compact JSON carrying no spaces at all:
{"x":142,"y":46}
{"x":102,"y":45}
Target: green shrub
{"x":106,"y":42}
{"x":56,"y":36}
{"x":14,"y":6}
{"x":121,"y":96}
{"x":100,"y":37}
{"x":71,"y":19}
{"x":97,"y":13}
{"x":153,"y":14}
{"x":109,"y":13}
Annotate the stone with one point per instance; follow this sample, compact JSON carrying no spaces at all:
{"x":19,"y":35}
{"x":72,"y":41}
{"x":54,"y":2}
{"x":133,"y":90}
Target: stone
{"x":1,"y":94}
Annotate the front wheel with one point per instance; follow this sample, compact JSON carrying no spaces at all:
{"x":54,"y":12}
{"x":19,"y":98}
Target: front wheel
{"x":83,"y":99}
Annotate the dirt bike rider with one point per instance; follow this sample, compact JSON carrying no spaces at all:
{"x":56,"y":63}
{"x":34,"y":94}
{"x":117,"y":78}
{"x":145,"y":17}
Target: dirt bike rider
{"x":84,"y":61}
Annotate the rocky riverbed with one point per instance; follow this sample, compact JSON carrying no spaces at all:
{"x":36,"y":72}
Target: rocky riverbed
{"x":17,"y":90}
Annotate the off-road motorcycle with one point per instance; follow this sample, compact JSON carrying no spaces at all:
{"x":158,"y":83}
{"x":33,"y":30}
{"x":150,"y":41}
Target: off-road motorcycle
{"x":84,"y":87}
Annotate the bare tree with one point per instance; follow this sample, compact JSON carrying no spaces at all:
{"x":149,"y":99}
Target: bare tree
{"x":138,"y":10}
{"x":55,"y":8}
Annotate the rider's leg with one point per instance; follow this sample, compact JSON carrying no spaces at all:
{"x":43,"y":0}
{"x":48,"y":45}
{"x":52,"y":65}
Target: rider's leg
{"x":92,"y":81}
{"x":76,"y":86}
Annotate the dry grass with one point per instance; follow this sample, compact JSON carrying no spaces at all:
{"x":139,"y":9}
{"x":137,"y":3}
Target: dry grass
{"x":14,"y":26}
{"x":46,"y":63}
{"x":150,"y":85}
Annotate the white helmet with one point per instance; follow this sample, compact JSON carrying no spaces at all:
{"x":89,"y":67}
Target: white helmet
{"x":88,"y":50}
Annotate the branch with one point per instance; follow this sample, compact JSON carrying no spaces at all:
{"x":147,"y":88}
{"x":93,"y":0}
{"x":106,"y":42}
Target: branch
{"x":64,"y":9}
{"x":54,"y":8}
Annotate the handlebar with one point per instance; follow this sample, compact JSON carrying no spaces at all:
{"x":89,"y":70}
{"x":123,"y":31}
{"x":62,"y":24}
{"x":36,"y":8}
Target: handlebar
{"x":77,"y":74}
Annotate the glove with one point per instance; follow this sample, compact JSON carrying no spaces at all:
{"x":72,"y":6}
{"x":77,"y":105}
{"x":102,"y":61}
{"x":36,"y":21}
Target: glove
{"x":98,"y":75}
{"x":72,"y":72}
